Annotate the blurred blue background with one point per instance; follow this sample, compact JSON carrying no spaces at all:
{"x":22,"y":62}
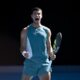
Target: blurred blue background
{"x":58,"y":73}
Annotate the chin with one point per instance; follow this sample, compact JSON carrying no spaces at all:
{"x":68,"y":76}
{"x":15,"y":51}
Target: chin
{"x":36,"y":22}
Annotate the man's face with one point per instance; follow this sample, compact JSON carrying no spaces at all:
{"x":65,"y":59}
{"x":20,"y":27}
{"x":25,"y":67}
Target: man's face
{"x":36,"y":16}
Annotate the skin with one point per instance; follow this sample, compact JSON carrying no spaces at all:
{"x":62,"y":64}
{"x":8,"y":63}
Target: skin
{"x":36,"y":17}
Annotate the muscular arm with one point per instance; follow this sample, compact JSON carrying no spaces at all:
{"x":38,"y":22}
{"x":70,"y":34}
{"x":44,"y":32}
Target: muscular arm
{"x":49,"y":47}
{"x":23,"y":40}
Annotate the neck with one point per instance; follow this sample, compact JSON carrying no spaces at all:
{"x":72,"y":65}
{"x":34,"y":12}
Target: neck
{"x":36,"y":24}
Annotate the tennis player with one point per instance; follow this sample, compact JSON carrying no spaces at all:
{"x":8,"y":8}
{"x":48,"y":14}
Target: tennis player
{"x":36,"y":48}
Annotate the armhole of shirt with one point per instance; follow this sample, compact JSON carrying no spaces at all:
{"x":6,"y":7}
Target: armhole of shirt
{"x":46,"y":32}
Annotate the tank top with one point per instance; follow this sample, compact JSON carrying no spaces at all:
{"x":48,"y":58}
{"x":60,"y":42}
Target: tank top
{"x":38,"y":38}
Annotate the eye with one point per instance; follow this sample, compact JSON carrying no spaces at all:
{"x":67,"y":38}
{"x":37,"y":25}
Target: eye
{"x":38,"y":13}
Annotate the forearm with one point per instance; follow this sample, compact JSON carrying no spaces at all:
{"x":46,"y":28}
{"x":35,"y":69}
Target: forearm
{"x":51,"y":54}
{"x":22,"y":49}
{"x":23,"y":40}
{"x":23,"y":45}
{"x":49,"y":47}
{"x":50,"y":50}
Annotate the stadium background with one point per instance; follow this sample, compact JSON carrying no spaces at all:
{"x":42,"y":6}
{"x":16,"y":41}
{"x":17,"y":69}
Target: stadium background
{"x":14,"y":15}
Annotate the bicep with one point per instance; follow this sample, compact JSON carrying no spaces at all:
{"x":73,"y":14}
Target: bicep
{"x":49,"y":47}
{"x":23,"y":38}
{"x":23,"y":35}
{"x":49,"y":38}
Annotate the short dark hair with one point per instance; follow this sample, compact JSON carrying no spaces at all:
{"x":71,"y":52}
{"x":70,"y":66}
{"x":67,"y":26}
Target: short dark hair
{"x":36,"y":9}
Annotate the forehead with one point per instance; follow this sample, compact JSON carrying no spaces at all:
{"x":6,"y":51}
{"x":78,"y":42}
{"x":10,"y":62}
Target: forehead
{"x":37,"y":11}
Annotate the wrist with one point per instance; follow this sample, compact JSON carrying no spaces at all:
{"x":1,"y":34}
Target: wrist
{"x":52,"y":56}
{"x":23,"y":52}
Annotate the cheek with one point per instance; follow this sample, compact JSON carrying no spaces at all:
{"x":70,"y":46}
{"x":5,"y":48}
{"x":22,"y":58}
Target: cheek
{"x":41,"y":16}
{"x":33,"y":17}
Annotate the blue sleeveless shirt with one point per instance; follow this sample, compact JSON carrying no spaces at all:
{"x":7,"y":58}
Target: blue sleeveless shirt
{"x":38,"y":38}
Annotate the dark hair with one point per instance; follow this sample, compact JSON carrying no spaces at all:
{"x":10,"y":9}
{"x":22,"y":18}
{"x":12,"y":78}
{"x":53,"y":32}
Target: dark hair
{"x":36,"y":9}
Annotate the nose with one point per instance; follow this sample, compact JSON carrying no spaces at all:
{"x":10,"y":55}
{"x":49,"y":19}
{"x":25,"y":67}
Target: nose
{"x":37,"y":15}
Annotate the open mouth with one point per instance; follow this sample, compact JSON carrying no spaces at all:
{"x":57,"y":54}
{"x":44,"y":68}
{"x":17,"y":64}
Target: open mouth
{"x":36,"y":19}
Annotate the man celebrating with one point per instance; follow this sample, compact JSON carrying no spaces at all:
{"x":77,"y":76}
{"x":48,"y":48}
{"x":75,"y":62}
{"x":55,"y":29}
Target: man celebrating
{"x":36,"y":48}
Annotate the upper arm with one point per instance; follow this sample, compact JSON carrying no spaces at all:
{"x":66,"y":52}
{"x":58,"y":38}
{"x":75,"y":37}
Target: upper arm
{"x":23,"y":33}
{"x":48,"y":37}
{"x":49,"y":46}
{"x":23,"y":36}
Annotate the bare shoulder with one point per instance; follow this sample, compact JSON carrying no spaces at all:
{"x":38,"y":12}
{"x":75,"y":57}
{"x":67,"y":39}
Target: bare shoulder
{"x":24,"y":29}
{"x":48,"y":30}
